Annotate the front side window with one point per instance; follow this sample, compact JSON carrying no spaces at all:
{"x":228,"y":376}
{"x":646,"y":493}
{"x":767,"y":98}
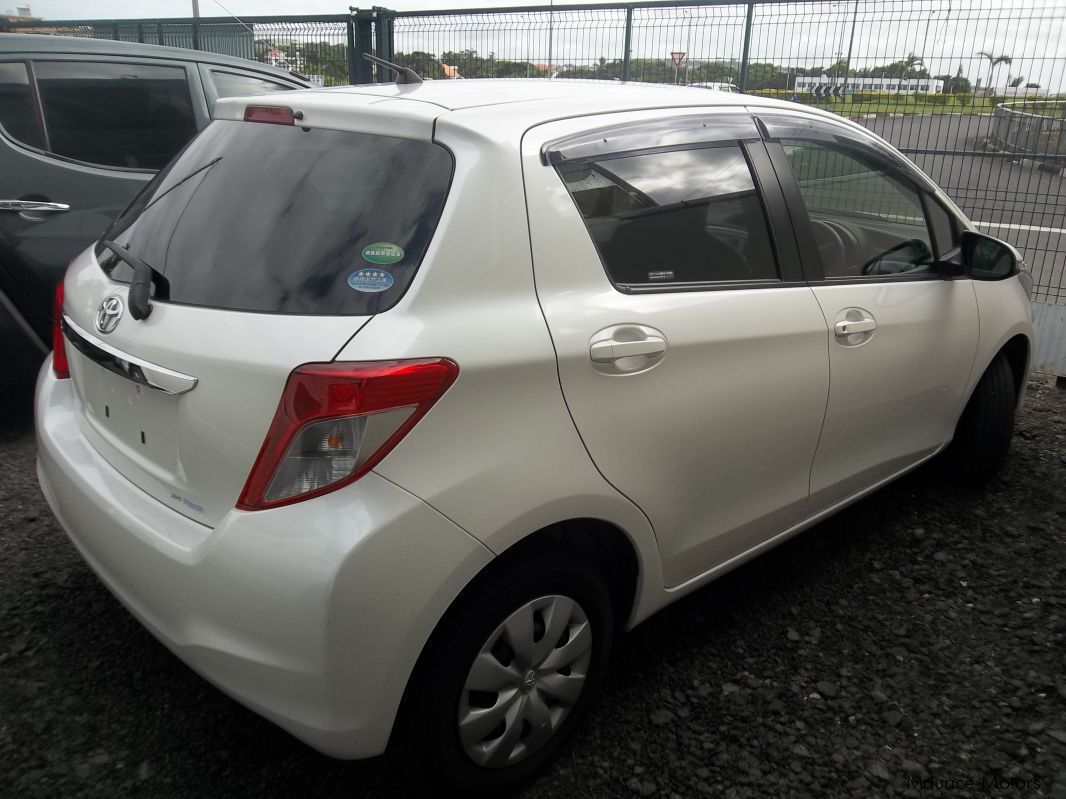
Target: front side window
{"x":230,"y":84}
{"x":674,"y":217}
{"x":134,"y":116}
{"x":867,"y":221}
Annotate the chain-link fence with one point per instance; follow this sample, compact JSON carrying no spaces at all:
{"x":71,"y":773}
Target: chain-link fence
{"x":971,"y":90}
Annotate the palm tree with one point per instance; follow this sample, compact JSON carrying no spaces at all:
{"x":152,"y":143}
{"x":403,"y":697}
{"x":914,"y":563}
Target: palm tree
{"x":993,"y":62}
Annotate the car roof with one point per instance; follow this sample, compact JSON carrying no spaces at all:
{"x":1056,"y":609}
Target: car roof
{"x":496,"y":108}
{"x":456,"y":95}
{"x":33,"y":44}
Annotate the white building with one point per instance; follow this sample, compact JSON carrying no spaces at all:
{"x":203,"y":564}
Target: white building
{"x":874,"y":84}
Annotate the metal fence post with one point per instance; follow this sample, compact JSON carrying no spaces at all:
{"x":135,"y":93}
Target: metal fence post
{"x":747,"y":48}
{"x":353,"y":76}
{"x":362,"y":38}
{"x":383,"y":39}
{"x":629,"y":43}
{"x":114,"y":31}
{"x":196,"y":33}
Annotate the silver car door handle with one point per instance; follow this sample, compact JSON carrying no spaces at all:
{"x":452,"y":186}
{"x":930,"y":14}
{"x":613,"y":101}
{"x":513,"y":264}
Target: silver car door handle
{"x":33,"y":205}
{"x":606,"y":351}
{"x":846,"y":328}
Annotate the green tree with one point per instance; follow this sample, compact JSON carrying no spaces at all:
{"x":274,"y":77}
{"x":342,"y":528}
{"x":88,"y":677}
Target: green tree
{"x":325,"y":60}
{"x":993,"y":62}
{"x":425,"y":64}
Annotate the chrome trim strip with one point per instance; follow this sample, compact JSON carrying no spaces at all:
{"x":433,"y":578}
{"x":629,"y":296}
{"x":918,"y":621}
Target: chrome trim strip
{"x":125,"y":365}
{"x":32,"y":205}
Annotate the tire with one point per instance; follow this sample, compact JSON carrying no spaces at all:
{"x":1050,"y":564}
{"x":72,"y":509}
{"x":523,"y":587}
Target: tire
{"x":983,"y":433}
{"x":442,"y":691}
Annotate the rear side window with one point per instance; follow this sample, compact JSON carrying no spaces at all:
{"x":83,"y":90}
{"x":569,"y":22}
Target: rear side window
{"x":230,"y":84}
{"x":18,"y":117}
{"x":674,"y":217}
{"x":279,"y":219}
{"x":135,"y":116}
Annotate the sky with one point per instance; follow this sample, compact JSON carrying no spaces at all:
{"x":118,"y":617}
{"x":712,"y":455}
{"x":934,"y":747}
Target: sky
{"x":110,"y":9}
{"x":946,"y":34}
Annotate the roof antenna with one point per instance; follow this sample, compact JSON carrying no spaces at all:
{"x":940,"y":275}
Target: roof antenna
{"x":217,"y":3}
{"x":403,"y":74}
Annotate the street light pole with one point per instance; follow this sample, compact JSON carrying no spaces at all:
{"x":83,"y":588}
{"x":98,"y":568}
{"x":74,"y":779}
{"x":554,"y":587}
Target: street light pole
{"x":688,"y":49}
{"x":851,"y":44}
{"x":195,"y":8}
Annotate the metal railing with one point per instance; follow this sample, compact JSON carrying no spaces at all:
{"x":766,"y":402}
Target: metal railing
{"x":1032,"y":129}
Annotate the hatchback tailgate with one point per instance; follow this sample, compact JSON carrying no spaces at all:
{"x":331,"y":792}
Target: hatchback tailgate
{"x":191,"y":450}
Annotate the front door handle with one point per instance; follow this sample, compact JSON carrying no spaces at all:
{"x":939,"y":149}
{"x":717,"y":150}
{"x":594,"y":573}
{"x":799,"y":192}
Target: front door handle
{"x":607,"y":351}
{"x":33,"y":205}
{"x":846,"y":328}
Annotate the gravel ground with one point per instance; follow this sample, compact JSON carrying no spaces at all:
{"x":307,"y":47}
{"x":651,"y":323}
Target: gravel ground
{"x":914,"y":645}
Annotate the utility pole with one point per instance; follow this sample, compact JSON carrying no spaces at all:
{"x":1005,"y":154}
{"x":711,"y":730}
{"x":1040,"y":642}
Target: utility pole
{"x":196,"y":8}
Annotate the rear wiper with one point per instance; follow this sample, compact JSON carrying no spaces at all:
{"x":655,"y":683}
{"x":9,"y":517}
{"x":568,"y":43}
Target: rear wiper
{"x":144,"y":276}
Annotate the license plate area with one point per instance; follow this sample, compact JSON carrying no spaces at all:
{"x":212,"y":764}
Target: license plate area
{"x":138,"y":421}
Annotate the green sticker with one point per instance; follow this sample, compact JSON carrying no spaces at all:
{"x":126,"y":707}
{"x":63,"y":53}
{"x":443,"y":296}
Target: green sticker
{"x":383,"y":252}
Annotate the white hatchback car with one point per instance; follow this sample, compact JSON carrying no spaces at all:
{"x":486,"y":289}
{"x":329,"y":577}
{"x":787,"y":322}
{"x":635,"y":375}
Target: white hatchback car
{"x":387,"y":407}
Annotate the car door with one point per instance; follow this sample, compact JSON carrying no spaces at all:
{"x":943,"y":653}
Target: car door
{"x":692,"y":355}
{"x":903,"y":322}
{"x":78,"y":139}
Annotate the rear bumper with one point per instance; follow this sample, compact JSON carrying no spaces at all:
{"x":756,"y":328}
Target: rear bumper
{"x":313,"y":615}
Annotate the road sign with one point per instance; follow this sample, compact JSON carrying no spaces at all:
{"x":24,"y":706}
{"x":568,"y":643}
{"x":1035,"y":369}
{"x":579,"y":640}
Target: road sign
{"x":678,"y":56}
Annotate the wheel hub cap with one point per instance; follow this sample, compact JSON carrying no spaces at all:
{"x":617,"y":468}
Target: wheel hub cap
{"x":524,"y":681}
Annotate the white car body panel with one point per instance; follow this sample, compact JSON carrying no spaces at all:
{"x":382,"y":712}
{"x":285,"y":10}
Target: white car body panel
{"x":197,"y":447}
{"x":895,"y":395}
{"x":292,"y":611}
{"x":684,"y":439}
{"x":498,"y":479}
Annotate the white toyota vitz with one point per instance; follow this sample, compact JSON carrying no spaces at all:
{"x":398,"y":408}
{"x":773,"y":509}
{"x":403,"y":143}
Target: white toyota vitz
{"x":387,"y":408}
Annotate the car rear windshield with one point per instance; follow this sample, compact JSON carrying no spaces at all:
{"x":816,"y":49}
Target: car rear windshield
{"x":279,"y":219}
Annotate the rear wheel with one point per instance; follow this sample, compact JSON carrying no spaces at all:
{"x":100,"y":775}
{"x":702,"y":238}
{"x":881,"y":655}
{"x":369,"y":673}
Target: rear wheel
{"x":508,"y":675}
{"x":983,"y":433}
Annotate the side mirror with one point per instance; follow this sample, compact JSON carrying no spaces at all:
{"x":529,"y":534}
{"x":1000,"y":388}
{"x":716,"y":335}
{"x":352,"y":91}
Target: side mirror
{"x":986,"y":258}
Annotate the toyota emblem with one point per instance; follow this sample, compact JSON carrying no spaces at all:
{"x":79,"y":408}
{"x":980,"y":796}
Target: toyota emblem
{"x":108,"y":314}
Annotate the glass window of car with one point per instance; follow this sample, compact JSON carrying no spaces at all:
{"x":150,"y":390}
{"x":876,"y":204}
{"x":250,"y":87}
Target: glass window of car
{"x":18,"y":115}
{"x":867,"y":220}
{"x":676,"y":216}
{"x":230,"y":84}
{"x":135,"y":116}
{"x":278,"y":219}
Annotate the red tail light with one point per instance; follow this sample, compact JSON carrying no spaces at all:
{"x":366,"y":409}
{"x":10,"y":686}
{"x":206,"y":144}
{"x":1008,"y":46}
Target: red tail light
{"x":336,"y":421}
{"x":59,"y":344}
{"x":270,"y":114}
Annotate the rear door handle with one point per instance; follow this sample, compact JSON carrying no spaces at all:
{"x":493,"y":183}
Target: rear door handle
{"x":33,"y":205}
{"x":607,"y":351}
{"x":846,"y":328}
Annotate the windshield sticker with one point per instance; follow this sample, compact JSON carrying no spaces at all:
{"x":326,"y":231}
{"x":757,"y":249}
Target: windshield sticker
{"x":663,"y":274}
{"x":371,"y":280}
{"x":383,"y":252}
